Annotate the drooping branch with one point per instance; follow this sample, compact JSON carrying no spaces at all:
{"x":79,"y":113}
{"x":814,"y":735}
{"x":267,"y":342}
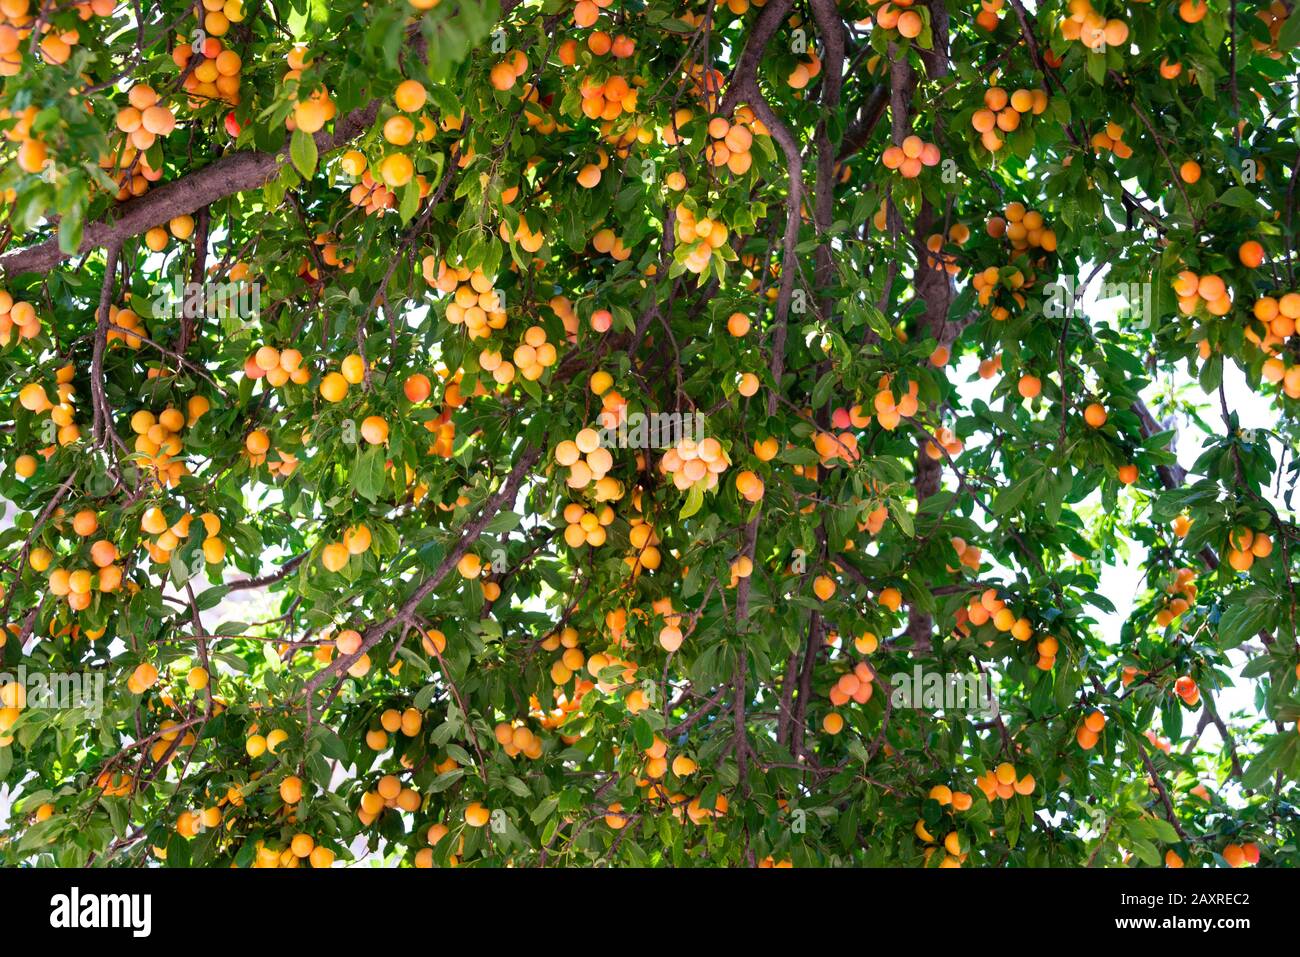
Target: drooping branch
{"x":469,"y":534}
{"x":234,"y":173}
{"x":769,"y":21}
{"x":231,"y":174}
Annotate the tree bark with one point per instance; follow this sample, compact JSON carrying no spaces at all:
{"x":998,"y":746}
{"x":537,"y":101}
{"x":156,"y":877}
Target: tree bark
{"x":934,"y":287}
{"x":233,"y":173}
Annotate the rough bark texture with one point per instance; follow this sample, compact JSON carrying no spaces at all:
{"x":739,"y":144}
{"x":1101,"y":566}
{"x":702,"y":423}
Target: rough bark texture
{"x":231,"y":174}
{"x":934,"y":287}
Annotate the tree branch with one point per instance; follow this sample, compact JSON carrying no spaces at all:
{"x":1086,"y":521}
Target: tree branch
{"x":231,"y":174}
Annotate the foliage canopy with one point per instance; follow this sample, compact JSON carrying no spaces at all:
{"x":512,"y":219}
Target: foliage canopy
{"x":362,"y":562}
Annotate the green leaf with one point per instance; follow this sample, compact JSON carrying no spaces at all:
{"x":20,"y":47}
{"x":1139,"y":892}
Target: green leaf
{"x":1164,"y":830}
{"x":822,"y":390}
{"x":331,"y":745}
{"x":694,"y":501}
{"x":1289,"y":36}
{"x":645,"y":736}
{"x":410,"y":200}
{"x":1237,"y":196}
{"x":302,"y":151}
{"x":545,"y":808}
{"x":424,"y":696}
{"x":503,"y":522}
{"x":1279,"y":752}
{"x":71,"y":228}
{"x":1095,"y":64}
{"x":368,"y":472}
{"x":1246,"y":613}
{"x":899,"y":513}
{"x":1171,"y":718}
{"x":211,"y":597}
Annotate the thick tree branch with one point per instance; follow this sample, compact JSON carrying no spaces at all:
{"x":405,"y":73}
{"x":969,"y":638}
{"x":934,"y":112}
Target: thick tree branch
{"x":231,"y":174}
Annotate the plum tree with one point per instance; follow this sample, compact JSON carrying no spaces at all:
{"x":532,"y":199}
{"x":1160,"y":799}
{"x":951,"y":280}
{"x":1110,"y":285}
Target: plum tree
{"x":534,"y":433}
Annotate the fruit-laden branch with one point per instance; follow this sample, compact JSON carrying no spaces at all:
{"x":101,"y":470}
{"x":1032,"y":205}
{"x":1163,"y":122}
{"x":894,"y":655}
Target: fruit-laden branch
{"x":934,"y":287}
{"x":1159,"y":785}
{"x":791,"y":723}
{"x":227,"y":176}
{"x":765,"y":27}
{"x":468,"y":535}
{"x":745,"y":87}
{"x":1174,"y":476}
{"x":21,"y":561}
{"x":231,"y":174}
